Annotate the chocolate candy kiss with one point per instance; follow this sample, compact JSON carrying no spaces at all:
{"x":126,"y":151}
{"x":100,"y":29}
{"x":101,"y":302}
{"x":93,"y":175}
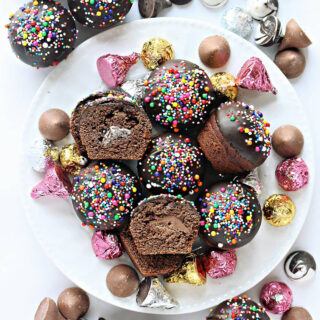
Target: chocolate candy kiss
{"x":48,"y":310}
{"x":269,"y":32}
{"x":151,"y":8}
{"x":291,"y":62}
{"x":260,"y":9}
{"x":294,"y":37}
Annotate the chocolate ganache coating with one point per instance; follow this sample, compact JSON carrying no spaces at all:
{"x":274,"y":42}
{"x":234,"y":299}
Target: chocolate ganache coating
{"x":179,"y":95}
{"x":173,"y":163}
{"x":42,"y":33}
{"x":240,"y":307}
{"x":246,"y":130}
{"x":100,"y":13}
{"x":104,"y":193}
{"x":230,"y":215}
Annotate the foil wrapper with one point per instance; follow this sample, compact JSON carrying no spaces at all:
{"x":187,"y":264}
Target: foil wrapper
{"x":219,"y":264}
{"x":106,"y":246}
{"x":55,"y":184}
{"x":155,"y":52}
{"x":135,"y":88}
{"x":292,"y":174}
{"x":152,"y":294}
{"x":40,"y":153}
{"x":253,"y":180}
{"x":279,"y":210}
{"x":225,"y":83}
{"x":269,"y":32}
{"x":214,"y":3}
{"x":260,"y":9}
{"x":114,"y":68}
{"x":238,"y":21}
{"x":276,"y":297}
{"x":71,"y":160}
{"x":254,"y":76}
{"x":191,"y":272}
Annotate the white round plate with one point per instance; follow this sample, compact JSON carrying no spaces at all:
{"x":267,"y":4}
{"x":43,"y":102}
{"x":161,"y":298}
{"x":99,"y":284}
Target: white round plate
{"x":57,"y":227}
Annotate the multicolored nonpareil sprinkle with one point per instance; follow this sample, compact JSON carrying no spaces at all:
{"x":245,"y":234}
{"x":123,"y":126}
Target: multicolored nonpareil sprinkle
{"x":44,"y":29}
{"x":104,"y":194}
{"x":172,"y":164}
{"x":179,"y":96}
{"x":251,"y":124}
{"x":228,"y":211}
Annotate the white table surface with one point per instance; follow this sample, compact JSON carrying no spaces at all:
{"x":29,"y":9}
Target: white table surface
{"x":26,"y":274}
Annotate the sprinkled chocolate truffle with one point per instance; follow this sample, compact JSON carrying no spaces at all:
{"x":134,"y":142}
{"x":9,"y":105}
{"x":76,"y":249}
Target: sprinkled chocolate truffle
{"x":104,"y":193}
{"x":100,"y":13}
{"x":172,"y":164}
{"x":230,"y":215}
{"x":235,"y":138}
{"x":42,"y":33}
{"x":276,"y":297}
{"x":54,"y":124}
{"x":300,"y":266}
{"x":294,"y":37}
{"x":73,"y":303}
{"x":297,"y":313}
{"x":214,"y":51}
{"x":179,"y":95}
{"x":122,"y":281}
{"x":279,"y":210}
{"x":292,"y":174}
{"x":291,"y":62}
{"x":236,"y":308}
{"x":287,"y":141}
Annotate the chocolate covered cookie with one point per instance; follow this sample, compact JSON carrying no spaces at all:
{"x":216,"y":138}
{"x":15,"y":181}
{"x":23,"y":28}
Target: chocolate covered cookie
{"x":100,"y":14}
{"x":179,"y":95}
{"x":42,"y":33}
{"x":164,"y":224}
{"x":104,"y":193}
{"x":172,"y":164}
{"x":230,"y":215}
{"x":235,"y":138}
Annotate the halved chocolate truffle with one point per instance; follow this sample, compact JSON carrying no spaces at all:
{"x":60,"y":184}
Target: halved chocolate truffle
{"x":104,"y":194}
{"x":164,"y":224}
{"x":236,"y":138}
{"x":172,"y":164}
{"x":230,"y":215}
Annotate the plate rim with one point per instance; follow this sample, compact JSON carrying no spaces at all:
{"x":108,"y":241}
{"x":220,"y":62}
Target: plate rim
{"x":36,"y":96}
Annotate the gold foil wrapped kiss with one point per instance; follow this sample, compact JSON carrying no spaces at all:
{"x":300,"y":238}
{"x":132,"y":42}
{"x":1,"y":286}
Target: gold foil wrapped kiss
{"x":225,"y":83}
{"x":155,"y":52}
{"x":71,"y":160}
{"x":279,"y":210}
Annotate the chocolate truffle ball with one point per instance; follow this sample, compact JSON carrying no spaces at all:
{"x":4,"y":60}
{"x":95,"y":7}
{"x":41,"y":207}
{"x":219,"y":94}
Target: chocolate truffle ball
{"x":179,"y":95}
{"x":240,"y":307}
{"x":235,"y":138}
{"x":48,"y":310}
{"x":122,"y":281}
{"x":42,"y":33}
{"x":297,"y":313}
{"x":100,"y":13}
{"x":230,"y":215}
{"x":104,"y":193}
{"x":73,"y":303}
{"x":172,"y":164}
{"x":214,"y":51}
{"x":287,"y":141}
{"x":291,"y":62}
{"x":54,"y":124}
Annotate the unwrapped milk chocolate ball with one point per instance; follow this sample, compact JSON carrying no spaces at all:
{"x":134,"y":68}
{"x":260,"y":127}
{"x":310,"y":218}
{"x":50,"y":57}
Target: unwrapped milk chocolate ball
{"x":214,"y":51}
{"x":48,"y":310}
{"x":297,"y":313}
{"x":291,"y":62}
{"x":73,"y":303}
{"x":54,"y":124}
{"x":122,"y":281}
{"x":287,"y":141}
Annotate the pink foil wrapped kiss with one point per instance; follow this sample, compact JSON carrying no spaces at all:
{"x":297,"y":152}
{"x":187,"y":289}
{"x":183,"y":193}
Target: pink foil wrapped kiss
{"x":106,"y":246}
{"x":114,"y":68}
{"x":254,"y":76}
